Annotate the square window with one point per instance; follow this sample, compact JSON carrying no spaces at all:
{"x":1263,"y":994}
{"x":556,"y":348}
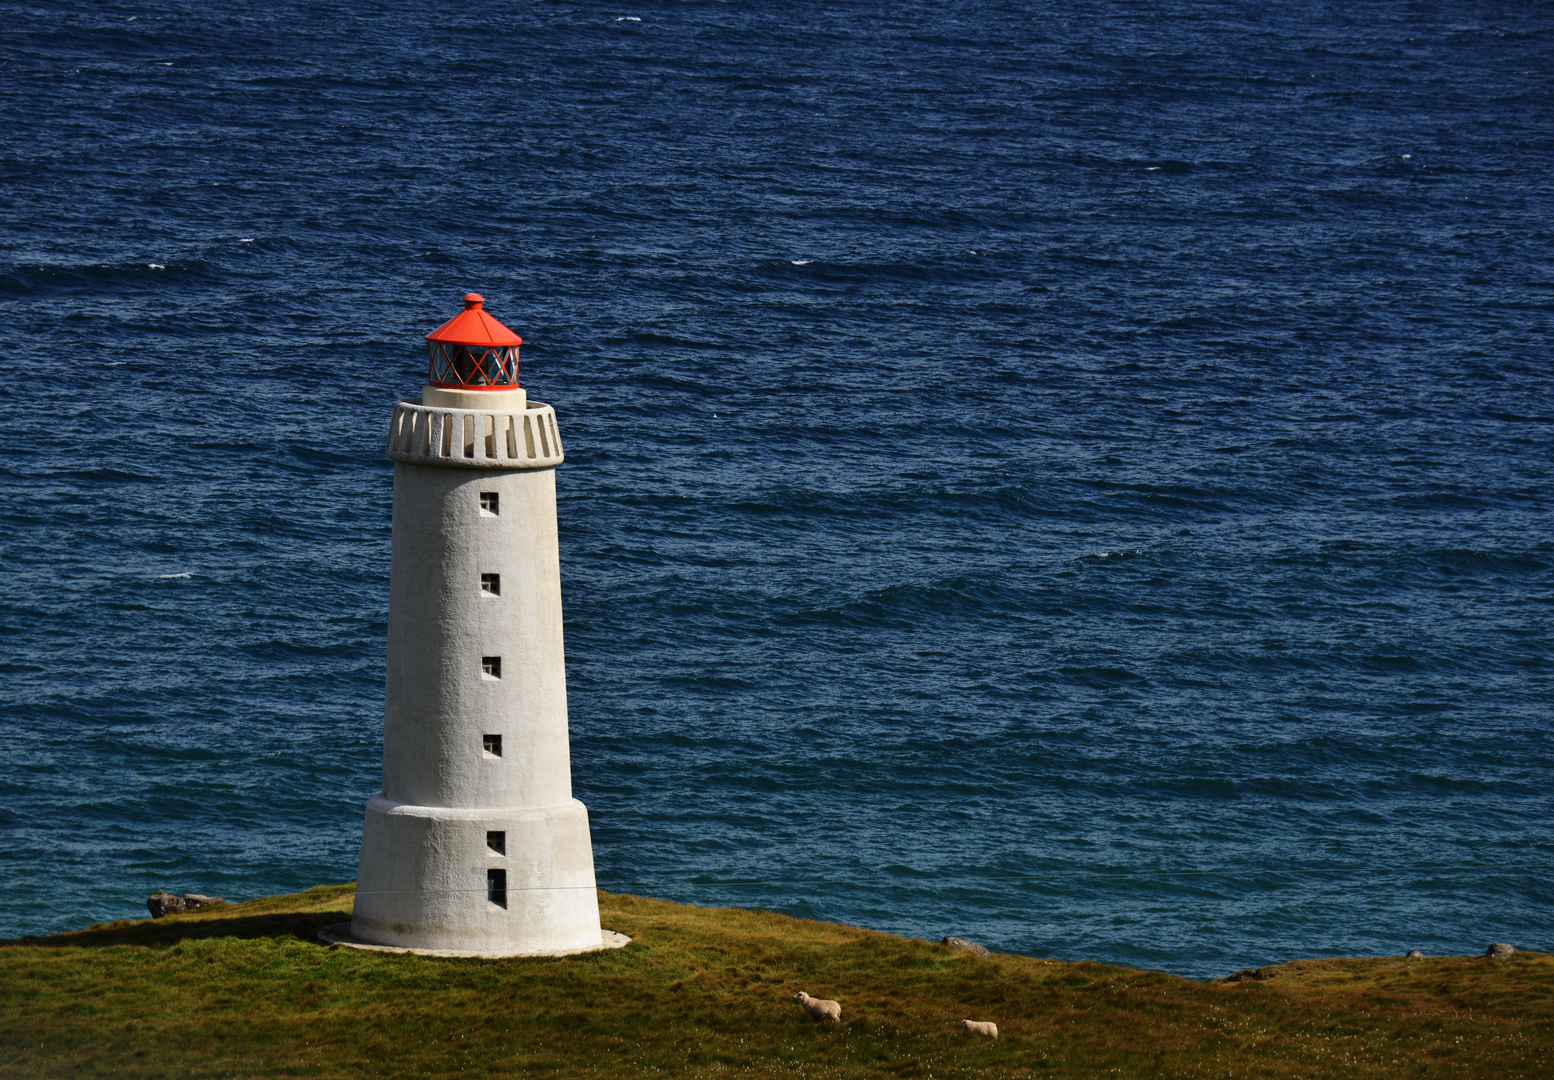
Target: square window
{"x":492,"y":666}
{"x":491,"y":744}
{"x":496,"y":887}
{"x":497,"y":842}
{"x":491,"y":584}
{"x":490,"y":504}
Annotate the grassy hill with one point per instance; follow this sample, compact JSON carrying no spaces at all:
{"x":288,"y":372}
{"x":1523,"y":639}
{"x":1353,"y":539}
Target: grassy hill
{"x":247,"y":990}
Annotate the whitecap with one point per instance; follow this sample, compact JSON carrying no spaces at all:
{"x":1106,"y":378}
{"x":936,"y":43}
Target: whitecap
{"x":156,"y":266}
{"x":164,"y":577}
{"x":245,"y":239}
{"x":628,"y":18}
{"x":1407,"y":156}
{"x":1153,"y":168}
{"x":800,"y":262}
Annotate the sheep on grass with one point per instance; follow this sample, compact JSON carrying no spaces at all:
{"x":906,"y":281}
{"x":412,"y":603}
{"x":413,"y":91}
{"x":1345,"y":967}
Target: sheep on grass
{"x":819,"y":1009}
{"x":980,"y":1027}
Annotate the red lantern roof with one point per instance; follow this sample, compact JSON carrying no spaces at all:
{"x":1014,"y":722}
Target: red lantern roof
{"x":474,"y":326}
{"x":472,"y":351}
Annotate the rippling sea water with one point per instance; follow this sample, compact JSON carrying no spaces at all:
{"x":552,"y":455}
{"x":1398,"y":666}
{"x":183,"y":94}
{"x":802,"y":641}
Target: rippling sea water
{"x":1072,"y":475}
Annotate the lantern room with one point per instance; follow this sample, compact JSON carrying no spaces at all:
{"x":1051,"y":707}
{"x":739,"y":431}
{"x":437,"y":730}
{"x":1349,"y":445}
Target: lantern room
{"x":472,"y":351}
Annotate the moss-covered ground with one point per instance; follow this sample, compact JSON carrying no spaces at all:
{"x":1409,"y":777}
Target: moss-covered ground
{"x":248,"y":990}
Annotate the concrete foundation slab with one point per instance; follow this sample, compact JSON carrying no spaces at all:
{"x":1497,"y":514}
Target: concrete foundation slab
{"x":340,"y":934}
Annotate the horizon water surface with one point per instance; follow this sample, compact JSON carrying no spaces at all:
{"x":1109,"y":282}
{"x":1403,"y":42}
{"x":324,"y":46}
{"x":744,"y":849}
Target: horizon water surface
{"x":1072,"y":476}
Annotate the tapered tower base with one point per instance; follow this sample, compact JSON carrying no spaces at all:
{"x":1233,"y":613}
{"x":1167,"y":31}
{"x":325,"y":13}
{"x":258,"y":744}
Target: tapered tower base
{"x":428,"y":880}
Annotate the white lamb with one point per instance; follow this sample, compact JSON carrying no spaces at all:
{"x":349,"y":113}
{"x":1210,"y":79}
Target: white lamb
{"x":819,"y":1009}
{"x":980,"y":1027}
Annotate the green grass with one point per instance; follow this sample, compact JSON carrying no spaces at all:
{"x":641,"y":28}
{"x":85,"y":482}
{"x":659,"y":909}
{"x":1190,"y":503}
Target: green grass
{"x":248,"y":990}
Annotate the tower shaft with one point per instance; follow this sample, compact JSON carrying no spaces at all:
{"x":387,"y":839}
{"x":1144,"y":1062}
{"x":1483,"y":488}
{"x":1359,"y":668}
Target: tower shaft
{"x":475,"y":843}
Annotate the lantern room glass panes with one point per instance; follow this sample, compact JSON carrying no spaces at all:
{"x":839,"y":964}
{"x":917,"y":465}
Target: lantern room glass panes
{"x":472,"y":365}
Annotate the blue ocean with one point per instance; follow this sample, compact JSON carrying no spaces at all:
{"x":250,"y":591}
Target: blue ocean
{"x":1078,"y":476}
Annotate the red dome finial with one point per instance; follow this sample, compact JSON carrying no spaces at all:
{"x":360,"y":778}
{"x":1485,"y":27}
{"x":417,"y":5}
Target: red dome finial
{"x":472,"y":351}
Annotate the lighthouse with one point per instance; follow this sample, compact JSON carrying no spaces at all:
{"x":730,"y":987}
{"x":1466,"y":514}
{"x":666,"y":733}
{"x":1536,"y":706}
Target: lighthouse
{"x":475,"y":845}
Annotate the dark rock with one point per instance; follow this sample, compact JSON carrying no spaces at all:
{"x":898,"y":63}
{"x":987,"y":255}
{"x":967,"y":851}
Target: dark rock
{"x":1413,"y":954}
{"x":1249,"y":975}
{"x":1499,"y":950}
{"x":962,"y":945}
{"x":165,"y":903}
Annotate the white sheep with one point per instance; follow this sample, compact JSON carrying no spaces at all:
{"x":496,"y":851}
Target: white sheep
{"x":818,"y":1009}
{"x":980,"y":1027}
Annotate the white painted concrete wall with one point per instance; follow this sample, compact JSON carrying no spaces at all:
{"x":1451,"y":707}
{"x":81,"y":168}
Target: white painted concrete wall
{"x":423,"y":872}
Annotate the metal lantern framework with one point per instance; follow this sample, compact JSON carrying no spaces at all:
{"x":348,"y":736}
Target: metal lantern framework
{"x":473,"y":351}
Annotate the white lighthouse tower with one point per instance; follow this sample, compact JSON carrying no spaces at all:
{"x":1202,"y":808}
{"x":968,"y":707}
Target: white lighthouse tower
{"x":475,"y":844}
